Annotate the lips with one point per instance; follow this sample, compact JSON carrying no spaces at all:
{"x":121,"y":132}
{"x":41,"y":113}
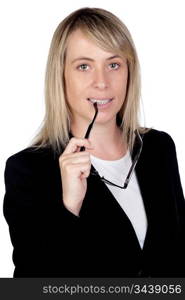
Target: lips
{"x":99,"y":101}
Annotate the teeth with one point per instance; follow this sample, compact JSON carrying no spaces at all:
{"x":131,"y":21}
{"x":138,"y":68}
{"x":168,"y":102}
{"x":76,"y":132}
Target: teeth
{"x":99,"y":101}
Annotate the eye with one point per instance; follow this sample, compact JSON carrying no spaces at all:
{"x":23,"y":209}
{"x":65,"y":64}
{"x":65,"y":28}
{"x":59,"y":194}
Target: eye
{"x":83,"y":67}
{"x":114,"y":66}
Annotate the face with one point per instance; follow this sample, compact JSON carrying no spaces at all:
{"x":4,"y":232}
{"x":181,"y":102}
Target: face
{"x":92,"y":74}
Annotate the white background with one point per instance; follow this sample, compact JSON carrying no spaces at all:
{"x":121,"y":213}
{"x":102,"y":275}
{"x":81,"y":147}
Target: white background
{"x":26,"y":29}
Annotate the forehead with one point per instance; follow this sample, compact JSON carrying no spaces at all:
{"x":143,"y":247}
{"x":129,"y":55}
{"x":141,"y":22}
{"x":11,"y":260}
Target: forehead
{"x":79,"y":44}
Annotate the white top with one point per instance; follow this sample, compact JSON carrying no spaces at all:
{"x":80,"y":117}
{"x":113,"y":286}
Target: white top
{"x":130,"y":199}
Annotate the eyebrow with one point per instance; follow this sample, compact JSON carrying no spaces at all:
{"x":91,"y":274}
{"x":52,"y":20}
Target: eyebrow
{"x":91,"y":59}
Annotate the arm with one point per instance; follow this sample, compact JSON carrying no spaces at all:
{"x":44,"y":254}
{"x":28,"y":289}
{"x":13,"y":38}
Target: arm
{"x":173,"y":171}
{"x":177,"y":193}
{"x":40,"y":227}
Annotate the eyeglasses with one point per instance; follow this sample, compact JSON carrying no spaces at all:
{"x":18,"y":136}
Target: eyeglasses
{"x":132,"y":168}
{"x":90,"y":125}
{"x":138,"y":140}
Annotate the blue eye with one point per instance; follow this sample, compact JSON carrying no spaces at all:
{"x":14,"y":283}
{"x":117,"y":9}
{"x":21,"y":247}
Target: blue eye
{"x":114,"y":66}
{"x":83,"y":67}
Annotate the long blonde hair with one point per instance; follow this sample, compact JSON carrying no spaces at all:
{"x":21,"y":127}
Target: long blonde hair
{"x":108,"y":32}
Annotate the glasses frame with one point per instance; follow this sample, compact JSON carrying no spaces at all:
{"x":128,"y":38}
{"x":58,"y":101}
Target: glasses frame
{"x":132,"y":168}
{"x":134,"y":161}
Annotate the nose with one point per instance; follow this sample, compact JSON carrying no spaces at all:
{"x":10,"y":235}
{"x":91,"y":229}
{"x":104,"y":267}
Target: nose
{"x":100,"y":79}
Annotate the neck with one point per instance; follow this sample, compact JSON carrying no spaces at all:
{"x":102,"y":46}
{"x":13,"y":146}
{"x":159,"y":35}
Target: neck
{"x":106,"y":139}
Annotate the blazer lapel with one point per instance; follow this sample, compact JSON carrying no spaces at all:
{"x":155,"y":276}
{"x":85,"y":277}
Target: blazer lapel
{"x":99,"y":200}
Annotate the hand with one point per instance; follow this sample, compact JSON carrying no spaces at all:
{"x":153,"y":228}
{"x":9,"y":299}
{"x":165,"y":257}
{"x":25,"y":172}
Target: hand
{"x":75,"y":168}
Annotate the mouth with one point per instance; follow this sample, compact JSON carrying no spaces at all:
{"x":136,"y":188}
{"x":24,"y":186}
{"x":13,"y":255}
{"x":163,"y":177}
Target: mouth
{"x":100,"y":102}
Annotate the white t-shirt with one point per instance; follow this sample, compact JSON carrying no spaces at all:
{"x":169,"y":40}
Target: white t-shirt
{"x":130,"y":199}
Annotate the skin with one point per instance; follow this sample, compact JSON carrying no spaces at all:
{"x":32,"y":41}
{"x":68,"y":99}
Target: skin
{"x":90,"y":72}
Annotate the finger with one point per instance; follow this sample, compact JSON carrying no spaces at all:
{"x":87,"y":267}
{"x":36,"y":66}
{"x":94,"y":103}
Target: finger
{"x":85,"y":174}
{"x":66,"y":157}
{"x":75,"y":158}
{"x":74,"y":143}
{"x":77,"y":169}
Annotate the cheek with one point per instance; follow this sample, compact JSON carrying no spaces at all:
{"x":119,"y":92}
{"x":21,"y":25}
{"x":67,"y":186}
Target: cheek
{"x":120,"y":85}
{"x":74,"y":86}
{"x":70,"y":85}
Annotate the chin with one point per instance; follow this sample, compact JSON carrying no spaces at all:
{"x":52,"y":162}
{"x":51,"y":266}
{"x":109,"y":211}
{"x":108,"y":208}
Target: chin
{"x":105,"y":120}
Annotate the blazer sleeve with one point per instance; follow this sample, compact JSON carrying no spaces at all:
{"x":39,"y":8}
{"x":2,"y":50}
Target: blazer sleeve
{"x":40,"y":227}
{"x":173,"y":168}
{"x":171,"y":162}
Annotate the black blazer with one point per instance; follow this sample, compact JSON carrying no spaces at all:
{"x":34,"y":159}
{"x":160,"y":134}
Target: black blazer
{"x":49,"y":241}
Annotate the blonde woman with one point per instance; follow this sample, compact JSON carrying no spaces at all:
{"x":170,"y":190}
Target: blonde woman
{"x":115,"y":209}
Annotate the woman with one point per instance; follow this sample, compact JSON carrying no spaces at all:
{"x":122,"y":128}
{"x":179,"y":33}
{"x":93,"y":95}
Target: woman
{"x":75,"y":213}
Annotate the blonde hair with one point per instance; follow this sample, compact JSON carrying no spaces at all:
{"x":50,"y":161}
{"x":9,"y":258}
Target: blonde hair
{"x":108,"y":32}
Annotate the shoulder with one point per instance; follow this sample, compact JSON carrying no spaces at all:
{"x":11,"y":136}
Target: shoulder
{"x":156,"y":138}
{"x":30,"y":158}
{"x":159,"y":151}
{"x":158,"y":145}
